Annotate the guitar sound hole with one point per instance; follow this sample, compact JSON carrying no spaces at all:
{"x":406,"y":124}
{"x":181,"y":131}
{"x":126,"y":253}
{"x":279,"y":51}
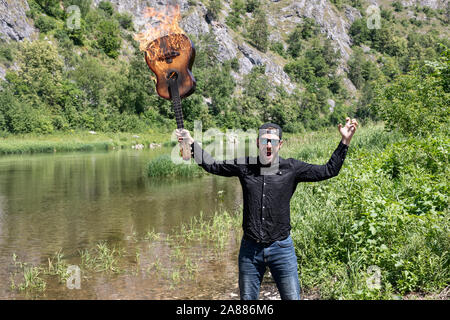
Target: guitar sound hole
{"x":172,"y":75}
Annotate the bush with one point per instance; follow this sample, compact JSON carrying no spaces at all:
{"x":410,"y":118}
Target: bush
{"x":45,"y":23}
{"x":417,"y":103}
{"x":108,"y":38}
{"x":125,"y":20}
{"x":252,"y":5}
{"x":214,"y":7}
{"x":106,"y":7}
{"x":278,"y":48}
{"x":387,"y":210}
{"x":163,"y":166}
{"x":259,"y":31}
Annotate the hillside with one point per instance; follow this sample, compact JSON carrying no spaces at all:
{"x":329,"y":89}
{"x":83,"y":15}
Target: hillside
{"x":304,"y":64}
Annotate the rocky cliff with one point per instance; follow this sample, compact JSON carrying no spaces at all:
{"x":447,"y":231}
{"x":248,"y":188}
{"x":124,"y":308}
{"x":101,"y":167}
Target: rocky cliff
{"x":14,"y":23}
{"x":283,"y":15}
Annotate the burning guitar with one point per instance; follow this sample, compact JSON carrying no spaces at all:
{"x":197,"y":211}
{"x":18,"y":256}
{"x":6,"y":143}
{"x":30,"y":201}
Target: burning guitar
{"x":170,"y":55}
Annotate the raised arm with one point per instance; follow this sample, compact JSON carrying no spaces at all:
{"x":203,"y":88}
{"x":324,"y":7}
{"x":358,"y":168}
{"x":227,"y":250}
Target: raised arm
{"x":306,"y":172}
{"x":205,"y":160}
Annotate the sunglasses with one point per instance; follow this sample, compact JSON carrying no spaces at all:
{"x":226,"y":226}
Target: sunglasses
{"x":274,"y":142}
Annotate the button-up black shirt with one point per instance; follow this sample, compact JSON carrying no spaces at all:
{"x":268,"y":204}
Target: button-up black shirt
{"x":267,"y":197}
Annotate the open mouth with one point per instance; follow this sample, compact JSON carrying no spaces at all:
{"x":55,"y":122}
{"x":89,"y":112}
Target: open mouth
{"x":269,"y":153}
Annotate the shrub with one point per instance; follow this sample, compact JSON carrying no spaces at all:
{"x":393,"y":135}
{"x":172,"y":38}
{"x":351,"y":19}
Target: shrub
{"x":416,"y":103}
{"x":387,"y":209}
{"x":108,"y":38}
{"x":259,"y":31}
{"x":163,"y":166}
{"x":106,"y":7}
{"x":45,"y":23}
{"x":125,"y":20}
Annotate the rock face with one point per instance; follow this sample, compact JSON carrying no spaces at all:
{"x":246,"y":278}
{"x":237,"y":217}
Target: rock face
{"x":433,"y":4}
{"x":331,"y":22}
{"x":14,"y":24}
{"x":282,"y":17}
{"x":196,"y":21}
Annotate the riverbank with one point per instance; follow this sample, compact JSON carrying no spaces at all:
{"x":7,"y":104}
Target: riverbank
{"x":81,"y":141}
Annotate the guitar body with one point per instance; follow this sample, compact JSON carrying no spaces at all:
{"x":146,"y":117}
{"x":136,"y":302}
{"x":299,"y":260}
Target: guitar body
{"x":171,"y":58}
{"x":171,"y":54}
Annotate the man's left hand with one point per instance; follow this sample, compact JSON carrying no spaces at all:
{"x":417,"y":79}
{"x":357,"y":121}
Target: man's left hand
{"x":348,"y":130}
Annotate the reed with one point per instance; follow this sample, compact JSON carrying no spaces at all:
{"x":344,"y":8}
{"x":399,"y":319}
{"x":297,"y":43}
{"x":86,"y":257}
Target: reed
{"x":27,"y":277}
{"x":163,"y":166}
{"x":102,"y":258}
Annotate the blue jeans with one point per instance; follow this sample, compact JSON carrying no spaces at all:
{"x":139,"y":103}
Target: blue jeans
{"x":279,"y":257}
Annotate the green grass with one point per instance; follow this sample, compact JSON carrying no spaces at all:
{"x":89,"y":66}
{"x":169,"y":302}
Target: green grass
{"x":77,"y":141}
{"x":163,"y":166}
{"x":387,"y":209}
{"x":102,"y":258}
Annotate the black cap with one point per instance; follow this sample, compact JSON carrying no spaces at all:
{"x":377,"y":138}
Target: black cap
{"x":271,"y":125}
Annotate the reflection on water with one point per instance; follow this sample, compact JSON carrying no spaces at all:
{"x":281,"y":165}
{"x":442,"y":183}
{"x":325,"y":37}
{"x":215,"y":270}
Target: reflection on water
{"x":72,"y":201}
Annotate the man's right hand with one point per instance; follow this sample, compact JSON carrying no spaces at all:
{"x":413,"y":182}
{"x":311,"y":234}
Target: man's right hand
{"x":183,"y":134}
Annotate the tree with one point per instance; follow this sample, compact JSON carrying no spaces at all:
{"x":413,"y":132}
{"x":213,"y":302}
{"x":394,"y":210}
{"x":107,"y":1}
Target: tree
{"x":355,"y":65}
{"x":40,"y":75}
{"x":294,"y":42}
{"x":106,"y":7}
{"x":45,"y":23}
{"x":234,"y":18}
{"x":417,"y":103}
{"x":214,"y":7}
{"x":108,"y":37}
{"x":253,"y":5}
{"x":259,"y":31}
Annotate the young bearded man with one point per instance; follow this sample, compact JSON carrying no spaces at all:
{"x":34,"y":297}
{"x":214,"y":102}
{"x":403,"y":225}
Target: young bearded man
{"x":268,"y":183}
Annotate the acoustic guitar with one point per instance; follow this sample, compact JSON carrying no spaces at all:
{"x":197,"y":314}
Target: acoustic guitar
{"x":171,"y":58}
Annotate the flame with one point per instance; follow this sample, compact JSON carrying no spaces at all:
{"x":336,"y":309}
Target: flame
{"x":167,"y":26}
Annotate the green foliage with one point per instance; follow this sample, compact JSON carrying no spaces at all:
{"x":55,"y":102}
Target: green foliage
{"x":362,"y":70}
{"x":387,"y":209}
{"x":125,"y":20}
{"x":398,"y":6}
{"x":45,"y":23}
{"x":84,"y":5}
{"x":108,"y":37}
{"x":234,"y":19}
{"x":89,"y":88}
{"x":6,"y":52}
{"x":163,"y":166}
{"x":337,"y":3}
{"x":304,"y":31}
{"x":49,"y":7}
{"x":259,"y":31}
{"x":214,"y":7}
{"x":106,"y":7}
{"x":417,"y":103}
{"x":252,"y":5}
{"x":278,"y":48}
{"x":314,"y":66}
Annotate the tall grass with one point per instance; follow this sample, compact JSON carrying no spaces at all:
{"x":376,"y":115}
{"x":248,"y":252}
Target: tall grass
{"x":163,"y":166}
{"x":387,"y":210}
{"x":76,"y":141}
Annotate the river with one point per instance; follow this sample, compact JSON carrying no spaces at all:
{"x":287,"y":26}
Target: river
{"x":70,"y":202}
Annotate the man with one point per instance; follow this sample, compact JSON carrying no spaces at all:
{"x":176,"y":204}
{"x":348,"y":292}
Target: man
{"x":268,"y":184}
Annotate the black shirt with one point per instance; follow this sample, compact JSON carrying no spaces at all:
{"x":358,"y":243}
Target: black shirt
{"x":267,"y":191}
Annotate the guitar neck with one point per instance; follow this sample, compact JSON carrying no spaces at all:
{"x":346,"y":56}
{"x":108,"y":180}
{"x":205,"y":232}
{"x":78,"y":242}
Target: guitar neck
{"x":176,"y":103}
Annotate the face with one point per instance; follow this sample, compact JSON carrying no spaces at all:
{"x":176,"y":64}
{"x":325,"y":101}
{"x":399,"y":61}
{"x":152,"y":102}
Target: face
{"x":269,"y":144}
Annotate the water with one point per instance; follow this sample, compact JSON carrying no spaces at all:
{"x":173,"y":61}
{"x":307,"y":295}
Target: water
{"x":73,"y":201}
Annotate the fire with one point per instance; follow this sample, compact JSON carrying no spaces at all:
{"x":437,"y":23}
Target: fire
{"x":167,"y":28}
